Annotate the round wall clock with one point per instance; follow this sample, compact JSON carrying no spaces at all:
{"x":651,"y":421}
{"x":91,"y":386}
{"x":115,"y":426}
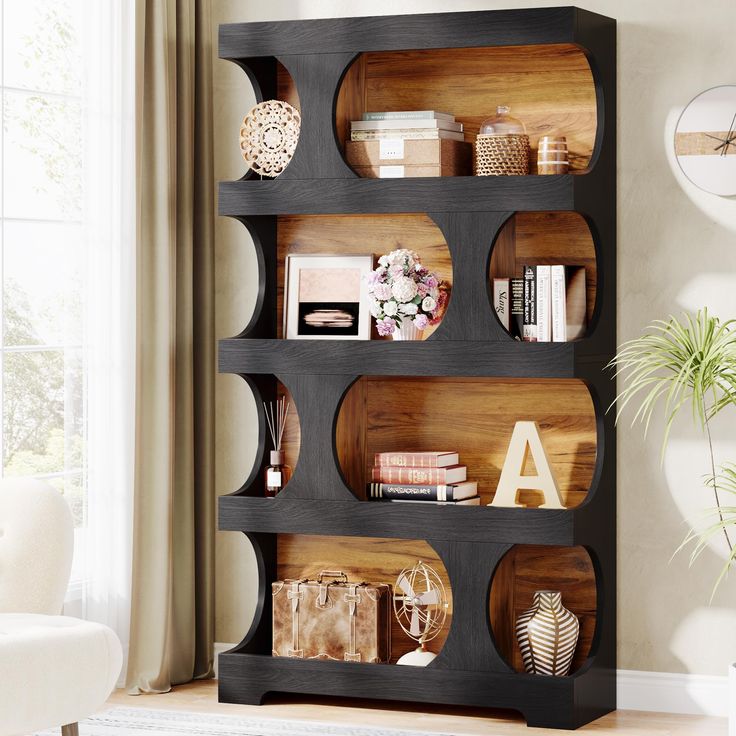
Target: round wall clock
{"x":705,"y":140}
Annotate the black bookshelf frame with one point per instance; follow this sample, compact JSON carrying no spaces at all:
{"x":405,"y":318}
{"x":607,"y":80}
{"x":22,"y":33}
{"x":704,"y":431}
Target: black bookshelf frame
{"x":469,"y":669}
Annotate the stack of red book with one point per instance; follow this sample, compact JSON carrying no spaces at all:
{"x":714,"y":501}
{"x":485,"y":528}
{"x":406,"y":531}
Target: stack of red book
{"x":422,"y":477}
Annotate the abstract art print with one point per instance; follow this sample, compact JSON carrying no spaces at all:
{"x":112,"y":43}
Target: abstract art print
{"x":326,"y":297}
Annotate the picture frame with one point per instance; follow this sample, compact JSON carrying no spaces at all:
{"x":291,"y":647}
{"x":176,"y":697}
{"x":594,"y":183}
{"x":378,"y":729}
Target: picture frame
{"x":326,"y":297}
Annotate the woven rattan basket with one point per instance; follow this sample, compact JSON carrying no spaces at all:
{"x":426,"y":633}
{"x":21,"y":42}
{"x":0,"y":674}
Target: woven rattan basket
{"x":502,"y":155}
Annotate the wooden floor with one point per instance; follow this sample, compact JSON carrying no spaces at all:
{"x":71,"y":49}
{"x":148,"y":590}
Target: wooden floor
{"x":202,"y":697}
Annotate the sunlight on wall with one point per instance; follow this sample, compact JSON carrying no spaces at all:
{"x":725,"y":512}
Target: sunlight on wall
{"x":693,"y":641}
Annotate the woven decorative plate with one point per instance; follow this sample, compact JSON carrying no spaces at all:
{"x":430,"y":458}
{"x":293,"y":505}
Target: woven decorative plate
{"x":269,"y":135}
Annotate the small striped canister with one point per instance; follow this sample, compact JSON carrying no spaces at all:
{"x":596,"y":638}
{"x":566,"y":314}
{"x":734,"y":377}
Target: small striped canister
{"x":552,"y":155}
{"x":547,"y":634}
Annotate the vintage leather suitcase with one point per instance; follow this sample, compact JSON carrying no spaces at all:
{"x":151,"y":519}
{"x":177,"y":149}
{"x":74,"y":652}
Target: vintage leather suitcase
{"x":332,"y":618}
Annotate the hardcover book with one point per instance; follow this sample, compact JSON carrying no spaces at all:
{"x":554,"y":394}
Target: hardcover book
{"x":529,"y":329}
{"x":436,"y":492}
{"x":517,"y":308}
{"x":544,"y":304}
{"x":569,"y":305}
{"x":406,"y":125}
{"x":407,"y":135}
{"x":409,"y":115}
{"x":418,"y":476}
{"x":417,"y":459}
{"x":474,"y":501}
{"x":502,"y":301}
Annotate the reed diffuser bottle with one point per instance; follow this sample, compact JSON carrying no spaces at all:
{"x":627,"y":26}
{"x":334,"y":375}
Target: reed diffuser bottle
{"x":277,"y":473}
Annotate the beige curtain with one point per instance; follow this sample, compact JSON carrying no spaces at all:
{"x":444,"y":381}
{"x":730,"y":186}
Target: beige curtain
{"x":172,"y":620}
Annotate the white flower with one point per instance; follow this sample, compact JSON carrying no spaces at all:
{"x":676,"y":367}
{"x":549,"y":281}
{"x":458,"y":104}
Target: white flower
{"x":382,"y":292}
{"x":384,"y":261}
{"x":428,"y":304}
{"x":375,"y":308}
{"x":391,"y":308}
{"x":404,"y":289}
{"x":409,"y":308}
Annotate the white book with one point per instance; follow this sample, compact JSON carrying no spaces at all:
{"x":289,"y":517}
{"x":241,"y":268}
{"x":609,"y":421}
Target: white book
{"x":544,"y":304}
{"x":559,"y":304}
{"x":406,"y":125}
{"x":409,"y":115}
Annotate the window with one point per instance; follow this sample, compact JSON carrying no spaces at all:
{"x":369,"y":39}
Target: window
{"x":42,"y":247}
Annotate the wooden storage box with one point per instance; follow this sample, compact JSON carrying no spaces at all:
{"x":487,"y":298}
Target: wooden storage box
{"x":393,"y":158}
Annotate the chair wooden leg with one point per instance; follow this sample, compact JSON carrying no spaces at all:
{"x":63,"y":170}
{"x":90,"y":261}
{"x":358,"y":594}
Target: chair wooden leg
{"x":71,"y":729}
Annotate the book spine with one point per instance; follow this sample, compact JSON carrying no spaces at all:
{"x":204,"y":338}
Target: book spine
{"x":559,"y":311}
{"x":436,"y":492}
{"x":406,"y":459}
{"x":529,"y":329}
{"x":415,"y":476}
{"x":502,"y":302}
{"x":408,"y":115}
{"x":544,"y":304}
{"x":517,"y":308}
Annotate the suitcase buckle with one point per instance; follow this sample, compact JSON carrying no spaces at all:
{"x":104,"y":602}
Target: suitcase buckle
{"x":352,"y":657}
{"x":299,"y":653}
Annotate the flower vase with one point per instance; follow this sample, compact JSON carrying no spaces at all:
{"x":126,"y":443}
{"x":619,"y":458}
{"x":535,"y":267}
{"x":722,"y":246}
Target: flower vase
{"x":547,"y":634}
{"x":407,"y":331}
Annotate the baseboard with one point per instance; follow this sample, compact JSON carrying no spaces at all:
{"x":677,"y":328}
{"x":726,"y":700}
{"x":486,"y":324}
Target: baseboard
{"x":662,"y":692}
{"x":666,"y":692}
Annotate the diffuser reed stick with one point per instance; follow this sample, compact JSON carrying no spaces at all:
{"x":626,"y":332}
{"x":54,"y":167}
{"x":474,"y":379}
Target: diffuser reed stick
{"x":277,"y":473}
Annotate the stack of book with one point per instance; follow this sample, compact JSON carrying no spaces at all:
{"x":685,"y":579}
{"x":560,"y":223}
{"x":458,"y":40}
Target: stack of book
{"x":547,"y":304}
{"x":406,"y":125}
{"x":422,"y":477}
{"x":408,"y":143}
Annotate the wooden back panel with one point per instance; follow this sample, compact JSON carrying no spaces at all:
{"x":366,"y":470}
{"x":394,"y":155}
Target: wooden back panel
{"x":363,"y":559}
{"x":549,"y":88}
{"x":540,"y":238}
{"x":383,"y":414}
{"x":528,"y":568}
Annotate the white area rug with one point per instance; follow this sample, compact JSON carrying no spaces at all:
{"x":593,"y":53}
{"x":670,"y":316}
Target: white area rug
{"x":144,"y":722}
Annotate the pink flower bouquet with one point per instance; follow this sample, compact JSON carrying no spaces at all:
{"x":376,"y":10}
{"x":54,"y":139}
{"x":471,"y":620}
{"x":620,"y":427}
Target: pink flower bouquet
{"x":401,"y":288}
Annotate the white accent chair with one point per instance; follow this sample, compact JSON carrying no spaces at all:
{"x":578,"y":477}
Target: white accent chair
{"x":54,"y":670}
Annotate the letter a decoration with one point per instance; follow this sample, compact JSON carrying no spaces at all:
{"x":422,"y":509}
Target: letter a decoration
{"x":525,"y":439}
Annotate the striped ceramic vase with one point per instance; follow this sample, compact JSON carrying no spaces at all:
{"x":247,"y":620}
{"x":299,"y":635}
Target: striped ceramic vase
{"x":547,"y":634}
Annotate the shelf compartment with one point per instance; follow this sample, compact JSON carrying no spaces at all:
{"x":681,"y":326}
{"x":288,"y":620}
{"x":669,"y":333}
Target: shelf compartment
{"x":550,"y":88}
{"x":392,"y":414}
{"x":547,"y":238}
{"x":525,"y":569}
{"x":421,"y":358}
{"x":284,"y":515}
{"x":377,"y":560}
{"x":358,"y":235}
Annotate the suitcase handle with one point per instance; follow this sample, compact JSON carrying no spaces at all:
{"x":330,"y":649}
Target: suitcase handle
{"x":332,"y":574}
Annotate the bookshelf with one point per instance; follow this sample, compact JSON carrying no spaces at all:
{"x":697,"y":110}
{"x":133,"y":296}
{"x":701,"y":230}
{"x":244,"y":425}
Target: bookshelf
{"x":559,"y":65}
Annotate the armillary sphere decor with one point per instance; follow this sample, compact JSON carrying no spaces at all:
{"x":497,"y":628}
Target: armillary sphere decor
{"x":269,"y":135}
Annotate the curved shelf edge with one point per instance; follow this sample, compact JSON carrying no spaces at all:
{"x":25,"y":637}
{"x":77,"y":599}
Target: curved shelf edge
{"x":501,"y":358}
{"x":397,"y":521}
{"x":356,"y":195}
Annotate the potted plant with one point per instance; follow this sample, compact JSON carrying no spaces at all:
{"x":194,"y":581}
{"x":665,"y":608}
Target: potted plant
{"x":688,"y":364}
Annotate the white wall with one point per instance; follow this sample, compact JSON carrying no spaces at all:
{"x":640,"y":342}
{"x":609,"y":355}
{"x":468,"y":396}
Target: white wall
{"x":677,"y":250}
